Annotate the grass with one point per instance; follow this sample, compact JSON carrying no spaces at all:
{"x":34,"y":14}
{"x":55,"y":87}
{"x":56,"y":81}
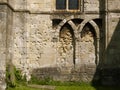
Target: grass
{"x":86,"y":88}
{"x":72,"y":87}
{"x":75,"y":88}
{"x":61,"y":85}
{"x":21,"y":84}
{"x":20,"y":87}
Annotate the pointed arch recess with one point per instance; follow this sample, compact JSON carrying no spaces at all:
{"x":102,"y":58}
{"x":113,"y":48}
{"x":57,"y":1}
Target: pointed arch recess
{"x":78,"y":29}
{"x":97,"y":32}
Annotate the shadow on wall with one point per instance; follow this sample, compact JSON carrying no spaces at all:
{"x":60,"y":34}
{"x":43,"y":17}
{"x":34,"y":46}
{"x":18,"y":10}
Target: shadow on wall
{"x":108,"y":72}
{"x":108,"y":69}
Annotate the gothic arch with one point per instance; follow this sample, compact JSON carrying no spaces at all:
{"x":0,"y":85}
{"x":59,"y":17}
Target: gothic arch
{"x":97,"y":32}
{"x":95,"y":26}
{"x":77,"y":31}
{"x":70,"y":22}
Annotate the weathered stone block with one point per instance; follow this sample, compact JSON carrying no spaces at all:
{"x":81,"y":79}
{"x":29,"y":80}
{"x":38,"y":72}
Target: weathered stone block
{"x":113,"y":5}
{"x":90,"y":5}
{"x":3,"y":1}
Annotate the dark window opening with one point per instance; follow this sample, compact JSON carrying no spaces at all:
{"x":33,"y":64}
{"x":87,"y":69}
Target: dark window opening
{"x":60,"y":4}
{"x":73,"y":4}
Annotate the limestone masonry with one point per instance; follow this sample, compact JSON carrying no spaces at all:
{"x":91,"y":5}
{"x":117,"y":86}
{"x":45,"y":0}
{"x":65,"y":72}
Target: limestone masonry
{"x":60,"y":40}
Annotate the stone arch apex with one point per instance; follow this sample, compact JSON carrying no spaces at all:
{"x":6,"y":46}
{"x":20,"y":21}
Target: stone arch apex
{"x":70,"y":22}
{"x":78,"y":29}
{"x":94,"y":25}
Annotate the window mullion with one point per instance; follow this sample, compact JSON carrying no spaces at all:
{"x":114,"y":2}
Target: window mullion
{"x":67,"y":5}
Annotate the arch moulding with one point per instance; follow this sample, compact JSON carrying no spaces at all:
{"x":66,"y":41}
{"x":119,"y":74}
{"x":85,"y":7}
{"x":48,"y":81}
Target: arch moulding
{"x":77,"y":30}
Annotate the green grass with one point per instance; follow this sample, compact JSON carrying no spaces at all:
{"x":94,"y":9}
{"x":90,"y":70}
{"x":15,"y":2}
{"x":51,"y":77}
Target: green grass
{"x":82,"y":87}
{"x":85,"y":88}
{"x":20,"y":87}
{"x":19,"y":83}
{"x":74,"y":88}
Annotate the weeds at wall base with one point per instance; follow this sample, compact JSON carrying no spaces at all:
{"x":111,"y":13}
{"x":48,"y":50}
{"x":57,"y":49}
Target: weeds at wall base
{"x":14,"y":76}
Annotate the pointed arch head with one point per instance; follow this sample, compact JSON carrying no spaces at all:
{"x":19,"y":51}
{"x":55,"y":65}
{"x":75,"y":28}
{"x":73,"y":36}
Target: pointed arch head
{"x":70,"y":21}
{"x":93,"y":24}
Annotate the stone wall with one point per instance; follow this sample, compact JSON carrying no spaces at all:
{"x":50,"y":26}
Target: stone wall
{"x":3,"y":29}
{"x":90,"y":5}
{"x":113,"y":40}
{"x":32,"y":46}
{"x":81,"y":74}
{"x":19,"y":48}
{"x":20,"y":5}
{"x":49,"y":5}
{"x":113,"y":5}
{"x":66,"y":48}
{"x":40,"y":6}
{"x":9,"y":38}
{"x":41,"y":49}
{"x":37,"y":44}
{"x":32,"y":5}
{"x":3,"y":1}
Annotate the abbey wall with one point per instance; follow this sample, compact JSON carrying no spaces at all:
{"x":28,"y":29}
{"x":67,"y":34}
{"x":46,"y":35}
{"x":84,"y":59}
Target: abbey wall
{"x":66,"y":45}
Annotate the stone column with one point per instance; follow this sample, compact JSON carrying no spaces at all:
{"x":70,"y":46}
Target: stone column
{"x":3,"y":21}
{"x":98,"y":47}
{"x":105,"y":27}
{"x":77,"y":50}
